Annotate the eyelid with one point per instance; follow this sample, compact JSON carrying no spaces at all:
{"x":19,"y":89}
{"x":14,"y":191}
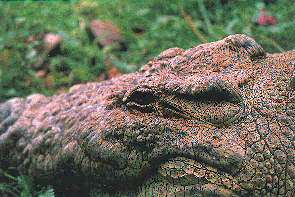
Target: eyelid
{"x":147,"y":108}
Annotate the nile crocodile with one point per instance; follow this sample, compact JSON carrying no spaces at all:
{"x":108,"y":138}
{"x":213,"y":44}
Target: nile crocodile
{"x":214,"y":120}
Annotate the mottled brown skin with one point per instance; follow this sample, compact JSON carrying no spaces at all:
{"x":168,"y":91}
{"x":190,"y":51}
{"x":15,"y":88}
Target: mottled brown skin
{"x":214,"y":120}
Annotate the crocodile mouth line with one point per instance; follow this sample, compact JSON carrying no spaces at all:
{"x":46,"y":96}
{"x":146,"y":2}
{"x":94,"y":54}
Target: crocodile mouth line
{"x":207,"y":156}
{"x":201,"y":166}
{"x":195,"y":178}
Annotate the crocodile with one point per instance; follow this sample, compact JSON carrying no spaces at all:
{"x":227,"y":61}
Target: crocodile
{"x":217,"y":119}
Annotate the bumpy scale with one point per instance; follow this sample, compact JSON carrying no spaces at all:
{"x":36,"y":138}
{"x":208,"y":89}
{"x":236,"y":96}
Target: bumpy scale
{"x":214,"y":120}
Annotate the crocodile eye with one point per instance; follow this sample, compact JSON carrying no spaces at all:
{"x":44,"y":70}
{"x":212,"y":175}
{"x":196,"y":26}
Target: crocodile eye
{"x":141,"y":98}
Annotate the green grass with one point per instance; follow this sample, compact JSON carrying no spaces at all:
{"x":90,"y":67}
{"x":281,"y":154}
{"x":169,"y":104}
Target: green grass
{"x":22,"y":186}
{"x":164,"y":24}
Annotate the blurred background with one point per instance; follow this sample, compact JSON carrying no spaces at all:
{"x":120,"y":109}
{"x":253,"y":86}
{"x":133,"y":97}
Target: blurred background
{"x":47,"y":46}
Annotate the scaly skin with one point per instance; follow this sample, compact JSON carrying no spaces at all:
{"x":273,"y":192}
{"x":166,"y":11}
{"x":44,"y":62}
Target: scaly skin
{"x":214,"y":120}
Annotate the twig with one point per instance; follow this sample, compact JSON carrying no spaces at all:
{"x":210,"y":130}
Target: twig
{"x":188,"y":19}
{"x":205,"y":16}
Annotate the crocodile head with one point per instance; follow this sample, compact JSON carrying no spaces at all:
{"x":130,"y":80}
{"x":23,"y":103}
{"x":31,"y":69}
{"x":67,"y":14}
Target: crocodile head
{"x":215,"y":120}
